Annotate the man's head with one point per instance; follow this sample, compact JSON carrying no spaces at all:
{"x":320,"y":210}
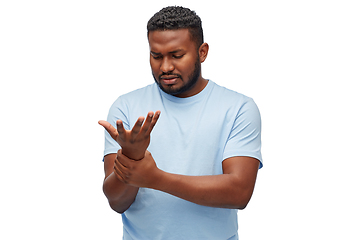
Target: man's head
{"x":176,"y":50}
{"x":175,"y":18}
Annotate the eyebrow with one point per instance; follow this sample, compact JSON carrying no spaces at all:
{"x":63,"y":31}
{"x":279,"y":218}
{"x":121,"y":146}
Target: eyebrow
{"x":176,"y":51}
{"x":172,"y":52}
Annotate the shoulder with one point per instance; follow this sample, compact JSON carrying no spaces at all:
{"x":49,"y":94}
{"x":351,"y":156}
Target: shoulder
{"x":236,"y":107}
{"x":136,"y":95}
{"x":131,"y":99}
{"x":139,"y":93}
{"x":231,"y":97}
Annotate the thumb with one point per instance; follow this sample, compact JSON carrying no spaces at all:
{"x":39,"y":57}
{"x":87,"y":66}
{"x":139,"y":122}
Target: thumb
{"x":109,"y":128}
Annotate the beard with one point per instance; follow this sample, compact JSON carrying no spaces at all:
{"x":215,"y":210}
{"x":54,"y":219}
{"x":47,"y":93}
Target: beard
{"x":193,"y":79}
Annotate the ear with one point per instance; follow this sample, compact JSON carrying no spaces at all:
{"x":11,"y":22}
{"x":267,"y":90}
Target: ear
{"x":203,"y":51}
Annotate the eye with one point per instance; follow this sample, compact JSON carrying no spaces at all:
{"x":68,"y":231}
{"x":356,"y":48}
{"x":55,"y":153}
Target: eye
{"x":178,"y":56}
{"x":156,"y":57}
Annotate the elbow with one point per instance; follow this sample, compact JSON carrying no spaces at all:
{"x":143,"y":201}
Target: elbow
{"x":240,"y":202}
{"x":114,"y":203}
{"x":237,"y":202}
{"x":243,"y":199}
{"x":114,"y":206}
{"x":242,"y":206}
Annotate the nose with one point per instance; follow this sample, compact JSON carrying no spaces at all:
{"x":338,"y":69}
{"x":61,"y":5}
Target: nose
{"x":167,"y":65}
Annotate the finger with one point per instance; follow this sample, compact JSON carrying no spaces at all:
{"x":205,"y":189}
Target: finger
{"x":136,"y":128}
{"x":153,"y":122}
{"x":147,"y":123}
{"x":109,"y":128}
{"x":121,"y":159}
{"x":120,"y":174}
{"x":120,"y":128}
{"x":120,"y":168}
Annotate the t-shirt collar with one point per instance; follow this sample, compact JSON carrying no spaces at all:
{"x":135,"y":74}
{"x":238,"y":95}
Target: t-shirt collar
{"x":194,"y":98}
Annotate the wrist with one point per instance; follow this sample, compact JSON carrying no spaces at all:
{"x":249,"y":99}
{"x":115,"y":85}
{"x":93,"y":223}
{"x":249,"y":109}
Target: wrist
{"x":134,"y":155}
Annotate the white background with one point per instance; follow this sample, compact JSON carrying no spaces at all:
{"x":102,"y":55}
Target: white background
{"x":63,"y":63}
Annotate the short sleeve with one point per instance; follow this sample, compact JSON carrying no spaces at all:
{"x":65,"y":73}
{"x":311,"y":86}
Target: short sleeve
{"x":245,"y":136}
{"x":117,"y":111}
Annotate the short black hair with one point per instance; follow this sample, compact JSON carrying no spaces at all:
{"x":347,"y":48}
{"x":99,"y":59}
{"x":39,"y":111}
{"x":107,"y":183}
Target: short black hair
{"x":174,"y":18}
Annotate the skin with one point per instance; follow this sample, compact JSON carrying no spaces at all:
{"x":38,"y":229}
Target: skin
{"x":134,"y":143}
{"x":173,"y":56}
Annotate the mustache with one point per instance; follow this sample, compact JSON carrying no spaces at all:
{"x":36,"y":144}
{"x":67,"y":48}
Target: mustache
{"x":170,"y":74}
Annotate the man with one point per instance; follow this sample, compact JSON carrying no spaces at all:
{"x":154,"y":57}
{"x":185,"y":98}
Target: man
{"x":201,"y":163}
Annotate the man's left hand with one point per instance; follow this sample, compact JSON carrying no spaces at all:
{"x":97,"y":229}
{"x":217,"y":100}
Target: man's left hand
{"x":138,"y":173}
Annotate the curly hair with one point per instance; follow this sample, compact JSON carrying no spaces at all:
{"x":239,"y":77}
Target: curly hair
{"x":175,"y":17}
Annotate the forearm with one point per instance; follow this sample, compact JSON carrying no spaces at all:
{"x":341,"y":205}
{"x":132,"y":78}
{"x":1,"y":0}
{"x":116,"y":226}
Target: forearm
{"x":134,"y":144}
{"x":223,"y":191}
{"x":119,"y":194}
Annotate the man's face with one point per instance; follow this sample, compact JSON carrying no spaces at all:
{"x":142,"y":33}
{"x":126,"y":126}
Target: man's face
{"x":175,"y":62}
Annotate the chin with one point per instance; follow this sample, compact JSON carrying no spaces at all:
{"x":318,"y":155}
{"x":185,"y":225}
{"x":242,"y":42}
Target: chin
{"x":172,"y":90}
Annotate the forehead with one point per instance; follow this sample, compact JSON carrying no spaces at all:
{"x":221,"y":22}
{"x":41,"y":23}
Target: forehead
{"x":170,"y":40}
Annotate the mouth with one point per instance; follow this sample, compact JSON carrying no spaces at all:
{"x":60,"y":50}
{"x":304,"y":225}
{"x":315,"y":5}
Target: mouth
{"x":169,"y":80}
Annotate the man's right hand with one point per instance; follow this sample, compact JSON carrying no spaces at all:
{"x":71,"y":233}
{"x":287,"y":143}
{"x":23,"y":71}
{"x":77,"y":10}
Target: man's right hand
{"x":133,"y":142}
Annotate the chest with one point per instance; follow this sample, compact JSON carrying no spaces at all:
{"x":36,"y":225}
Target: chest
{"x":191,"y":140}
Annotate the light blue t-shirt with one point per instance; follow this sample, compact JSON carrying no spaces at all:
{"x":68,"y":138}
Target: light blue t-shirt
{"x":192,"y":137}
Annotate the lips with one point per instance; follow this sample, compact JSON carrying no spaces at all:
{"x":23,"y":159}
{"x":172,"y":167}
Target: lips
{"x":169,"y":79}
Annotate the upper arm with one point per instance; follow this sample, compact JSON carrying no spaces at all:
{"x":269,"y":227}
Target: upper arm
{"x":245,"y":135}
{"x":244,"y":171}
{"x":109,"y":161}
